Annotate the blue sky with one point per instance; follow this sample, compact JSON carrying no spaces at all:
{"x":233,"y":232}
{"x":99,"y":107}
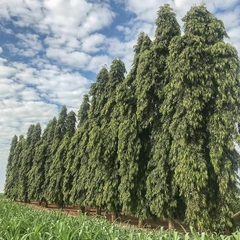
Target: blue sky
{"x":51,"y":51}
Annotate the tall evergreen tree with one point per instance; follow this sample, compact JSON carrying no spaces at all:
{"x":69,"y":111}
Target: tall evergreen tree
{"x":83,"y":111}
{"x":33,"y":136}
{"x":47,"y":154}
{"x":90,"y":190}
{"x":202,"y":106}
{"x":131,"y":138}
{"x":59,"y":163}
{"x":37,"y":174}
{"x":61,"y":127}
{"x":72,"y":167}
{"x":55,"y":174}
{"x":8,"y":188}
{"x":163,"y":199}
{"x":79,"y":167}
{"x":109,"y":131}
{"x":17,"y":163}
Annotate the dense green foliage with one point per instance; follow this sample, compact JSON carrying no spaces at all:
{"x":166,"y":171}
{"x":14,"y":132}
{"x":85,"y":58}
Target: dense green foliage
{"x":158,"y":141}
{"x":202,"y":106}
{"x":10,"y":171}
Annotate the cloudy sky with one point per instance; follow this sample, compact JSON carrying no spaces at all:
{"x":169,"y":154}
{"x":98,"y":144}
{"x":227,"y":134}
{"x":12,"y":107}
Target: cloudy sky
{"x":51,"y":51}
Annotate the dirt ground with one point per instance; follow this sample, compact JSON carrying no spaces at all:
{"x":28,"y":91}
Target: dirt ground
{"x":126,"y":220}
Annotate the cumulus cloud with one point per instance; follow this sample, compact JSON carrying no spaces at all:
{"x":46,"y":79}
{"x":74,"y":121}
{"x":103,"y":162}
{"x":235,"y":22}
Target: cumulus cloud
{"x":145,"y":11}
{"x":76,"y":59}
{"x":93,"y":43}
{"x":8,"y":88}
{"x":29,"y":41}
{"x":97,"y":62}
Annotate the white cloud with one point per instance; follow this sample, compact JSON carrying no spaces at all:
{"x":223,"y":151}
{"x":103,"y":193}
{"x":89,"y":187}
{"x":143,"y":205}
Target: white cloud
{"x":125,"y":30}
{"x":75,"y":18}
{"x":145,"y":11}
{"x":30,"y":41}
{"x":29,"y":94}
{"x":93,"y":43}
{"x":123,"y":50}
{"x":6,"y":30}
{"x":26,"y":52}
{"x":75,"y":59}
{"x":8,"y":88}
{"x":69,"y":43}
{"x":97,"y":62}
{"x":231,"y":18}
{"x":98,"y":18}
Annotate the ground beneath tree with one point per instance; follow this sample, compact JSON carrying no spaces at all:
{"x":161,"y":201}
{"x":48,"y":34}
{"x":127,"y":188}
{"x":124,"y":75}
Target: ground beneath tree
{"x":126,"y":220}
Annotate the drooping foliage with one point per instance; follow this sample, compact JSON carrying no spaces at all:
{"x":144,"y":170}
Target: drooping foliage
{"x":109,"y":129}
{"x":8,"y":188}
{"x":163,"y":198}
{"x":16,"y":164}
{"x":202,"y":101}
{"x":33,"y":136}
{"x":131,"y":152}
{"x":41,"y":163}
{"x":72,"y":164}
{"x":45,"y":156}
{"x":59,"y":163}
{"x":95,"y":167}
{"x":65,"y":127}
{"x":83,"y":111}
{"x":82,"y":193}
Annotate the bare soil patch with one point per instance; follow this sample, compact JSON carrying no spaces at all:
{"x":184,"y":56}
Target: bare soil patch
{"x":124,"y":219}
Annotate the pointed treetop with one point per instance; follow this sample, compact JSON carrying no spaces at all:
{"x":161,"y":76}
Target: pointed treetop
{"x":60,"y":129}
{"x":13,"y":146}
{"x":70,"y":123}
{"x":200,"y":22}
{"x":98,"y":88}
{"x":137,"y":47}
{"x":14,"y":141}
{"x":21,"y":137}
{"x":167,"y":26}
{"x":83,"y":111}
{"x":37,"y":133}
{"x":49,"y":130}
{"x":146,"y":43}
{"x":117,"y":72}
{"x":30,"y":134}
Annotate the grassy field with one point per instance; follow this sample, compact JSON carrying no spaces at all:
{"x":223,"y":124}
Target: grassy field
{"x":22,"y":222}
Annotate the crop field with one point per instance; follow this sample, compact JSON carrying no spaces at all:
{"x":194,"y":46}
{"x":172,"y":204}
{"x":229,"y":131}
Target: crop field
{"x":22,"y":222}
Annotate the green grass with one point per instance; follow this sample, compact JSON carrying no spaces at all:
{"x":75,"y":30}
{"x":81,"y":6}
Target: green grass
{"x":22,"y":222}
{"x":1,"y":195}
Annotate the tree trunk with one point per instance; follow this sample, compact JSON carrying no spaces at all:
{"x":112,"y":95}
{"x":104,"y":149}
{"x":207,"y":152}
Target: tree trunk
{"x":171,"y":224}
{"x":140,"y":223}
{"x":98,"y":211}
{"x":113,"y":217}
{"x":82,"y":209}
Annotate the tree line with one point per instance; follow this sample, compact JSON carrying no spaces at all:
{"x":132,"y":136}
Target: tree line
{"x":158,"y":141}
